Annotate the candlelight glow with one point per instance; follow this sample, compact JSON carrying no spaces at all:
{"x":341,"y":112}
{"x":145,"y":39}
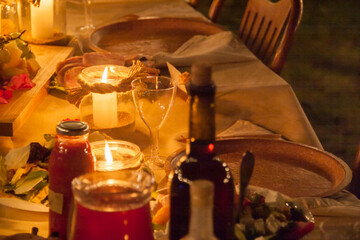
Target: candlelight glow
{"x":105,"y":113}
{"x":104,"y":76}
{"x":108,"y":155}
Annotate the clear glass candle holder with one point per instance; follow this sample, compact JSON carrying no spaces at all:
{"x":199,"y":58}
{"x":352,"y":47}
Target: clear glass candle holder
{"x":9,"y":22}
{"x":111,"y":113}
{"x":43,"y":24}
{"x":125,"y":155}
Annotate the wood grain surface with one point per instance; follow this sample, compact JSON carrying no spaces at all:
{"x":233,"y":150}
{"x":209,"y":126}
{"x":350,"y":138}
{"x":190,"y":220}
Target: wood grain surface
{"x":15,"y":113}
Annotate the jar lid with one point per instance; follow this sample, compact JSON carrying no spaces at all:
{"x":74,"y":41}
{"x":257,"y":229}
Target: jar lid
{"x":72,"y":128}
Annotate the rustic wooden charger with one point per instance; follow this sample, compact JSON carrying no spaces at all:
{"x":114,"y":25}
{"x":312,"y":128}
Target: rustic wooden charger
{"x":147,"y":37}
{"x":293,"y":169}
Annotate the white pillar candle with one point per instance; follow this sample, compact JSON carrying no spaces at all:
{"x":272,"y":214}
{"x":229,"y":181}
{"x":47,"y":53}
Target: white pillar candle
{"x":42,"y":20}
{"x":105,"y":107}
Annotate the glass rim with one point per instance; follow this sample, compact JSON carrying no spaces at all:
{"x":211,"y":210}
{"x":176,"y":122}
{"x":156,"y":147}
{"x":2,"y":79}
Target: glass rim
{"x":138,"y":79}
{"x":113,"y":191}
{"x":87,"y":182}
{"x":128,"y":162}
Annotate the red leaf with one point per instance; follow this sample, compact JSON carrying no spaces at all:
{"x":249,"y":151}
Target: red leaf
{"x":8,"y":94}
{"x":20,"y":82}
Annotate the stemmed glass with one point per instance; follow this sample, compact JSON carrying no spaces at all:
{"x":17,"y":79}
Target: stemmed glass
{"x":154,"y":97}
{"x":87,"y":11}
{"x":88,"y":15}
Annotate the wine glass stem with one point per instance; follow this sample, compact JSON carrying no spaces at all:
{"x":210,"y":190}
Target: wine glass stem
{"x":154,"y":151}
{"x":88,"y":12}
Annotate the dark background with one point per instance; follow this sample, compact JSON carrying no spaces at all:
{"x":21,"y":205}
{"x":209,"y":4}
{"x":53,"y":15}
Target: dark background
{"x":323,"y":68}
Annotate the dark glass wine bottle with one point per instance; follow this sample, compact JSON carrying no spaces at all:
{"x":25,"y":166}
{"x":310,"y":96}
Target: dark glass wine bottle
{"x":201,"y":163}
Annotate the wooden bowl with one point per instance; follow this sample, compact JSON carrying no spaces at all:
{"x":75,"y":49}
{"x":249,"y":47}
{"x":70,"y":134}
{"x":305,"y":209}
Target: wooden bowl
{"x":148,"y":36}
{"x":294,"y":169}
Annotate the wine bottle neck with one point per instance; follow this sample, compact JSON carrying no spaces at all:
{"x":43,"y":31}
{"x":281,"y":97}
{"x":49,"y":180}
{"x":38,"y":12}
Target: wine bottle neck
{"x":202,"y":119}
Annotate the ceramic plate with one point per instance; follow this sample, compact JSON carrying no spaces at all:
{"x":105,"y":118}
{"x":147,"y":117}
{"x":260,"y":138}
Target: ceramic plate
{"x":23,"y":205}
{"x":293,"y":169}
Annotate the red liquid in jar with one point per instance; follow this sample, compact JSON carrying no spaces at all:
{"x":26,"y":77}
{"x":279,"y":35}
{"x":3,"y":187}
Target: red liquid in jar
{"x":70,"y":158}
{"x":132,"y":224}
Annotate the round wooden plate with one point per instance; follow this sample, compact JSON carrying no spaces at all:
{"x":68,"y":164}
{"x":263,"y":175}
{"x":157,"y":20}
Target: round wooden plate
{"x":293,"y":169}
{"x":148,"y":36}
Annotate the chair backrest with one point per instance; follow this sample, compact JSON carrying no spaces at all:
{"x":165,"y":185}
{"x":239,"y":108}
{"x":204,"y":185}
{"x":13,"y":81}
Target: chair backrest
{"x":355,"y":182}
{"x":193,"y":3}
{"x":268,"y":29}
{"x":214,"y":9}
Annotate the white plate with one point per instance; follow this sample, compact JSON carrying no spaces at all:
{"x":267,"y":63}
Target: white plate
{"x":23,"y":205}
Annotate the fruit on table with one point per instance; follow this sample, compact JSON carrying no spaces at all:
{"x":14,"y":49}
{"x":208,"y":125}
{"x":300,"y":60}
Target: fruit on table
{"x":162,"y":215}
{"x":15,"y":54}
{"x":16,"y":57}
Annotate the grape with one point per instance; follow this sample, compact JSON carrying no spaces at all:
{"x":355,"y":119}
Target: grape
{"x":5,"y":56}
{"x":24,"y":48}
{"x":14,"y":35}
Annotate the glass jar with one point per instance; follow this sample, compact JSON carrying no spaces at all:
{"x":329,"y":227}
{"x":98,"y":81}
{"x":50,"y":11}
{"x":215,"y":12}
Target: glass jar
{"x":43,"y":24}
{"x":112,"y":205}
{"x":8,"y":17}
{"x":124,"y":155}
{"x":111,"y":113}
{"x":70,"y":158}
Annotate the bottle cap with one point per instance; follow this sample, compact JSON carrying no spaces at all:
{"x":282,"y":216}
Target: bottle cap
{"x":200,"y":74}
{"x":202,"y":192}
{"x":72,"y":128}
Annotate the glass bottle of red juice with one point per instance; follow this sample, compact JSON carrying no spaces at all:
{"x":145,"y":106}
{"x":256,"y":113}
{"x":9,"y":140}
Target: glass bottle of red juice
{"x":70,"y":158}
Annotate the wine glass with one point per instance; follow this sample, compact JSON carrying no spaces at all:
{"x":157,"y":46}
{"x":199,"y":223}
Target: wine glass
{"x":154,"y":97}
{"x":86,"y":6}
{"x":88,"y":15}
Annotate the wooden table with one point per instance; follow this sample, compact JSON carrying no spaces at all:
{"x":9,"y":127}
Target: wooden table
{"x":246,"y":90}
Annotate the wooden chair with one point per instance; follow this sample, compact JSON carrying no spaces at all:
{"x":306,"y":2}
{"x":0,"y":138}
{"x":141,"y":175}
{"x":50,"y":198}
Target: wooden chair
{"x":268,"y":29}
{"x":214,"y":9}
{"x":355,"y":182}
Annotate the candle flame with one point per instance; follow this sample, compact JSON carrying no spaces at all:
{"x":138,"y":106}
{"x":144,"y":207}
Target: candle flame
{"x":108,"y":155}
{"x":104,"y":76}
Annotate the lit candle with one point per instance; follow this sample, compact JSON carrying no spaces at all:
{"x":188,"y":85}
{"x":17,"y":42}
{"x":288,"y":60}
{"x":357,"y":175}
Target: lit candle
{"x":116,"y":155}
{"x":109,"y":164}
{"x":109,"y":161}
{"x":105,"y":107}
{"x":42,"y":20}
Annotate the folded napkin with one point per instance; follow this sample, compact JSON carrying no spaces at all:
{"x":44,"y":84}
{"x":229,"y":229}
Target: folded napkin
{"x":243,"y":128}
{"x":223,"y":47}
{"x":342,"y":204}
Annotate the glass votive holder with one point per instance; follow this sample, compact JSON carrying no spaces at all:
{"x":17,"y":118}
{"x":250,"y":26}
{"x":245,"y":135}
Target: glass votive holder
{"x":112,"y":113}
{"x":125,"y":155}
{"x":44,"y":23}
{"x":8,"y":17}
